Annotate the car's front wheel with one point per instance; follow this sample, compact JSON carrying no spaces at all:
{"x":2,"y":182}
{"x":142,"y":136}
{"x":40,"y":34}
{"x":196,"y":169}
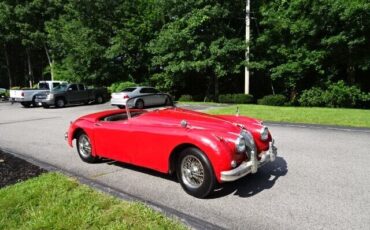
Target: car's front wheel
{"x":195,"y":173}
{"x":99,"y":99}
{"x":60,"y":103}
{"x":84,"y":148}
{"x":139,"y":104}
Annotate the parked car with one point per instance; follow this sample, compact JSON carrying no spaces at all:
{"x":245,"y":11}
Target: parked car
{"x":3,"y":96}
{"x":27,"y":97}
{"x":201,"y":149}
{"x":155,"y":98}
{"x":65,"y":94}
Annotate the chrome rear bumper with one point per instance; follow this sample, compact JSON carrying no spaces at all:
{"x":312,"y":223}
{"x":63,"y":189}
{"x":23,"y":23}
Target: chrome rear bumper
{"x":250,"y":166}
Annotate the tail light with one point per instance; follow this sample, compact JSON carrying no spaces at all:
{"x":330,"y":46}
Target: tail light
{"x":126,"y":97}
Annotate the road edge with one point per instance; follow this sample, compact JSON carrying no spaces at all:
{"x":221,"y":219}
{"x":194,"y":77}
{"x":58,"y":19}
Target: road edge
{"x":318,"y":126}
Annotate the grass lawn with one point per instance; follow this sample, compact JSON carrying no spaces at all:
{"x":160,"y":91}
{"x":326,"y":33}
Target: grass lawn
{"x":324,"y":116}
{"x":54,"y":201}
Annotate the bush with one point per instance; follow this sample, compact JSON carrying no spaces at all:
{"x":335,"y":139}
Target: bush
{"x":312,"y":97}
{"x":236,"y":98}
{"x":198,"y":97}
{"x":336,"y":95}
{"x":119,"y":86}
{"x":341,"y":95}
{"x":275,"y":100}
{"x":186,"y":97}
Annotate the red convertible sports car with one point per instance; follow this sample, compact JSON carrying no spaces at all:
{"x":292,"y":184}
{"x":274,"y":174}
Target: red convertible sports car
{"x":201,"y":149}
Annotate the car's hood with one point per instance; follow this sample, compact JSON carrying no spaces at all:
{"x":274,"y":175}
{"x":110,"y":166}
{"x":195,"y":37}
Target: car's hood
{"x":194,"y":120}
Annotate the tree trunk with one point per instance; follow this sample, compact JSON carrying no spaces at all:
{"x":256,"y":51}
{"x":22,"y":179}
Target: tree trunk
{"x":351,"y":76}
{"x":272,"y":86}
{"x":51,"y":62}
{"x":29,"y":66}
{"x":216,"y":88}
{"x":8,"y":66}
{"x":351,"y":72}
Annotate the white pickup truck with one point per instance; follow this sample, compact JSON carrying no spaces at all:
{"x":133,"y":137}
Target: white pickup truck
{"x":27,"y":96}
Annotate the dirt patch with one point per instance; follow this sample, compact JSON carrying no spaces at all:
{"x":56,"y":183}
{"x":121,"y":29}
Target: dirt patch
{"x":14,"y":170}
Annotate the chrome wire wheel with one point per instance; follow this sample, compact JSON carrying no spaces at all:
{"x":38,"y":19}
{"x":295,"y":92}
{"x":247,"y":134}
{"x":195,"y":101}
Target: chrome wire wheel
{"x":192,"y":171}
{"x":84,"y":146}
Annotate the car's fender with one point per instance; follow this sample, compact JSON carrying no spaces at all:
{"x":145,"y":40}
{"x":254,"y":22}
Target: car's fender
{"x":217,"y":149}
{"x":78,"y":126}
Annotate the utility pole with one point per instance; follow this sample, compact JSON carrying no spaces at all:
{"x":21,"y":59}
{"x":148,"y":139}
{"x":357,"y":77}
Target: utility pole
{"x":247,"y":37}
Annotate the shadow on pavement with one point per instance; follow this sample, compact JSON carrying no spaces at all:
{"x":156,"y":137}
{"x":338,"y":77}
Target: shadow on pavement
{"x":253,"y":184}
{"x":247,"y":186}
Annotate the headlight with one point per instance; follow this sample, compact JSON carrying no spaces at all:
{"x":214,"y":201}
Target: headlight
{"x":240,"y":144}
{"x":50,"y":96}
{"x":264,"y":133}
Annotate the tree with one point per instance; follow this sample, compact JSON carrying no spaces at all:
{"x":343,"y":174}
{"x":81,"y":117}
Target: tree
{"x":7,"y":35}
{"x":305,"y":43}
{"x":199,"y":42}
{"x":79,"y":39}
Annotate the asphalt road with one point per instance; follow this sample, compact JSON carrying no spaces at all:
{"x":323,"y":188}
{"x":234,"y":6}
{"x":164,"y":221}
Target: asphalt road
{"x":319,"y":181}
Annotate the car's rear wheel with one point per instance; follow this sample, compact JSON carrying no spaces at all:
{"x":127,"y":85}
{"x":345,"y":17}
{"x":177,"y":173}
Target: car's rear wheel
{"x":195,"y":173}
{"x":60,"y":103}
{"x":139,"y":104}
{"x":99,"y":99}
{"x":84,"y":148}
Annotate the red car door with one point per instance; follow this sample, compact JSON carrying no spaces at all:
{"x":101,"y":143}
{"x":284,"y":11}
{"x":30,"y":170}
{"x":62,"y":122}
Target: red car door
{"x":154,"y":145}
{"x":114,"y":140}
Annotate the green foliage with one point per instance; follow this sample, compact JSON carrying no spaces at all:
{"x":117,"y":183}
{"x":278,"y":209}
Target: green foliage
{"x":119,"y":86}
{"x":305,"y":43}
{"x":199,"y":42}
{"x":295,"y":45}
{"x":186,"y":97}
{"x":336,"y":95}
{"x":236,"y":98}
{"x":275,"y":100}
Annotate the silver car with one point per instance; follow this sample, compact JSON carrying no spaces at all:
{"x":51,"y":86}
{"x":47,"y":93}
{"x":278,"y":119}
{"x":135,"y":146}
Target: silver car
{"x":153,"y":97}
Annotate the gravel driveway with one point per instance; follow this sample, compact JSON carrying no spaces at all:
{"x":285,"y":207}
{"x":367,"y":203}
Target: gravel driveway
{"x":319,"y":181}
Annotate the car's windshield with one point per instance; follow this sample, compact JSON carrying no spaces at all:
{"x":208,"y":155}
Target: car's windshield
{"x":130,"y":89}
{"x":62,"y":87}
{"x":43,"y":86}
